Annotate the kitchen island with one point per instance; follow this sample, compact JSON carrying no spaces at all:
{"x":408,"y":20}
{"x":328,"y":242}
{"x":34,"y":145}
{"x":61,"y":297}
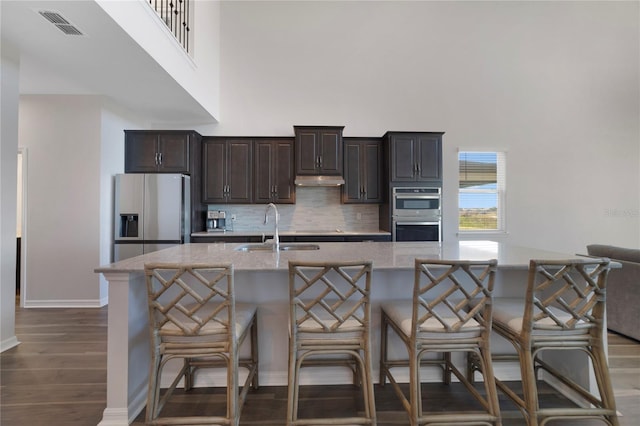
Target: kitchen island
{"x":261,"y":278}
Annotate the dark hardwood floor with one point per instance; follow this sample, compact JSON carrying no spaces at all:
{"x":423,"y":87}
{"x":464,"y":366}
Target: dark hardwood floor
{"x":57,"y":376}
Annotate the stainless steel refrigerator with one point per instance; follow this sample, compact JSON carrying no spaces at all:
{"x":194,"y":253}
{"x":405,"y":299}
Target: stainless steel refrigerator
{"x":151,"y":213}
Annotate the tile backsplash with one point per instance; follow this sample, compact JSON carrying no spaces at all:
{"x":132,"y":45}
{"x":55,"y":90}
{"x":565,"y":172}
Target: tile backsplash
{"x":316,"y":209}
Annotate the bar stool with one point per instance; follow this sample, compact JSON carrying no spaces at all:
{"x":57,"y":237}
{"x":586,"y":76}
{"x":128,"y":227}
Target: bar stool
{"x":329,"y":318}
{"x":563,"y":309}
{"x":193,"y":316}
{"x":440,"y":318}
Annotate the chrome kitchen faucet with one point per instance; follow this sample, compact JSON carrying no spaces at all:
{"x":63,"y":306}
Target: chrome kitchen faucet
{"x":276,"y":238}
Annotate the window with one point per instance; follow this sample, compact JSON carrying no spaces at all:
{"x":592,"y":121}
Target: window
{"x":481,"y":191}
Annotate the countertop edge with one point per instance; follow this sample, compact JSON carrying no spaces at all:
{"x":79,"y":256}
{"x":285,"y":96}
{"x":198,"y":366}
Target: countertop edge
{"x":385,"y":255}
{"x":285,"y":233}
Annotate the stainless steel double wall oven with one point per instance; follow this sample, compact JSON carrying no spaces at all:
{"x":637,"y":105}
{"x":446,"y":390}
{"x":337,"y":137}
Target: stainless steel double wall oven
{"x":416,"y":214}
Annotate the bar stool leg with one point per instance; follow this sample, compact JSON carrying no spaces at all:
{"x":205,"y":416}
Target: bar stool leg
{"x":529,"y":385}
{"x":604,"y":381}
{"x":384,"y":326}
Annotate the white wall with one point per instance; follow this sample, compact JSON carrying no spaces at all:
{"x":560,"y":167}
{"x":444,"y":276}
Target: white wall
{"x":555,"y":84}
{"x":9,"y":67}
{"x":75,"y":146}
{"x":199,"y":75}
{"x":62,"y":136}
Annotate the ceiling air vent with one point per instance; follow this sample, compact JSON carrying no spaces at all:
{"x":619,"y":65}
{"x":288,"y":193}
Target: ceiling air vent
{"x":60,"y":22}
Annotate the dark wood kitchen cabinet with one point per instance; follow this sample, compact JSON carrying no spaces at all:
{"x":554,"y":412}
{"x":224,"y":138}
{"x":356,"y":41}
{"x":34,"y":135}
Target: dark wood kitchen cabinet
{"x":227,"y":170}
{"x":318,"y":150}
{"x":362,"y":171}
{"x":274,"y":171}
{"x":414,"y":156}
{"x":168,"y":151}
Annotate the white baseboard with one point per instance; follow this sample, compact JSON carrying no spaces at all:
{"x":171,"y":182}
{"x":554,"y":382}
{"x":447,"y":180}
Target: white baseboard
{"x":114,"y":417}
{"x":79,"y":303}
{"x":124,"y":417}
{"x":9,"y":343}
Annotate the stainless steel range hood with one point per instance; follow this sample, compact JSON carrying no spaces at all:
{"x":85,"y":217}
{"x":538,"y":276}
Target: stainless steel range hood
{"x":319,"y":180}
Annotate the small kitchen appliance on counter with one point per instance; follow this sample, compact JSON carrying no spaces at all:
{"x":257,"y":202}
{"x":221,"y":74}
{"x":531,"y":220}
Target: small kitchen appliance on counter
{"x":216,"y":220}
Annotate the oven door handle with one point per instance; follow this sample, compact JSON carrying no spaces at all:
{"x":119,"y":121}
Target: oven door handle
{"x":419,"y":197}
{"x":404,"y":222}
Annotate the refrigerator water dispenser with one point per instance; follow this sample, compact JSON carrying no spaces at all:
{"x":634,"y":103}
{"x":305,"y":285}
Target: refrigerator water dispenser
{"x":128,"y":226}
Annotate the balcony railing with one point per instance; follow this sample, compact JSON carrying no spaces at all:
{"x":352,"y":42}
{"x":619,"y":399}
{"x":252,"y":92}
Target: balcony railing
{"x":176,"y":15}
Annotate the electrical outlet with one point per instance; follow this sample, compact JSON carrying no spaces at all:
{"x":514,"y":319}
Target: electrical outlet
{"x":358,"y":216}
{"x":233,"y":217}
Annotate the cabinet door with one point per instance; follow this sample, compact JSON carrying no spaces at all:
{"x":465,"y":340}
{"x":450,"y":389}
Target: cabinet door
{"x":353,"y":186}
{"x":213,"y":171}
{"x":173,"y":151}
{"x":283,"y":172}
{"x":274,"y":172}
{"x":363,"y":181}
{"x":318,"y":150}
{"x":140,"y":149}
{"x":307,"y":152}
{"x":239,"y":171}
{"x":372,"y":172}
{"x":330,"y":155}
{"x":430,"y":157}
{"x":264,"y":179}
{"x":416,"y":157}
{"x":403,"y":154}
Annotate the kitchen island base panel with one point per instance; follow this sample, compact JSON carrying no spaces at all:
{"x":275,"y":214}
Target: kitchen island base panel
{"x":262,"y":279}
{"x":270,"y":290}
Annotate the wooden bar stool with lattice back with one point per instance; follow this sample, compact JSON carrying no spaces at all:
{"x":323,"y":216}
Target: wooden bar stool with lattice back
{"x":440,"y":319}
{"x":330,"y":317}
{"x":193,"y":316}
{"x":563,"y":309}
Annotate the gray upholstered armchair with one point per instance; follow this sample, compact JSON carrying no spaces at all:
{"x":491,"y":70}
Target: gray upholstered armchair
{"x":623,"y":289}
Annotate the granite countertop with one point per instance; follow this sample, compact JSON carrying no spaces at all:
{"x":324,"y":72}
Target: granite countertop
{"x":385,"y":255}
{"x":328,"y":232}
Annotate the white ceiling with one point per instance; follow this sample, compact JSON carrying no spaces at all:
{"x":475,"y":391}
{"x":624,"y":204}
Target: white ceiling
{"x":104,"y":61}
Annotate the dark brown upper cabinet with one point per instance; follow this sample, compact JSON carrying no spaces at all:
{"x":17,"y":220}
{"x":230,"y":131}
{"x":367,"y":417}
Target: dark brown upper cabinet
{"x":318,"y":150}
{"x":166,"y":151}
{"x":362,"y":171}
{"x":414,"y":156}
{"x":274,"y":171}
{"x":227,"y":170}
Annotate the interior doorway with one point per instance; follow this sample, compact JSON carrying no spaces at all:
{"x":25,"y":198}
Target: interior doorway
{"x":21,"y":226}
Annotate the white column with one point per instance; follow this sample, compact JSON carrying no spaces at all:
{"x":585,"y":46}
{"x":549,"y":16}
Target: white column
{"x":128,"y":354}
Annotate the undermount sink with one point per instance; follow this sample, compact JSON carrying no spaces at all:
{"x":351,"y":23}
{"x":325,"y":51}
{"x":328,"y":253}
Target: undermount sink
{"x":283,"y":247}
